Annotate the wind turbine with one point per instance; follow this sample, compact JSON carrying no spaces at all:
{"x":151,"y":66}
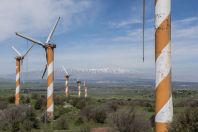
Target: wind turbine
{"x":49,"y":50}
{"x":85,"y":87}
{"x":19,"y":61}
{"x":79,"y":87}
{"x":66,"y":82}
{"x":163,"y":90}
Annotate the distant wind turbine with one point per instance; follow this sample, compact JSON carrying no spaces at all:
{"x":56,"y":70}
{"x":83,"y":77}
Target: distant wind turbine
{"x":85,"y":87}
{"x":66,"y":81}
{"x":79,"y":88}
{"x":19,"y":61}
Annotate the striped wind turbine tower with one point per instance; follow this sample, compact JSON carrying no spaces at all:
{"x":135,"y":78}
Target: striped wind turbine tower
{"x":163,"y":90}
{"x":163,"y":96}
{"x":79,"y":88}
{"x":19,"y":60}
{"x":85,"y":87}
{"x":49,"y":50}
{"x":66,"y":82}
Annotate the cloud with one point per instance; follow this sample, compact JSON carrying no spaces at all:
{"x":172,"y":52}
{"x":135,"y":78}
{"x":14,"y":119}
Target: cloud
{"x":125,"y":23}
{"x":37,"y":16}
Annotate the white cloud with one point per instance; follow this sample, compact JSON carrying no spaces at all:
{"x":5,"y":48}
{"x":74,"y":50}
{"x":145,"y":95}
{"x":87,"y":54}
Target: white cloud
{"x":125,"y":23}
{"x":36,"y":16}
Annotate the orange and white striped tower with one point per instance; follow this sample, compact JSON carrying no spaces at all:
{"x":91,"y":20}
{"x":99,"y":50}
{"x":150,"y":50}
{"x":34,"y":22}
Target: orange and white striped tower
{"x":79,"y":88}
{"x":49,"y":49}
{"x":17,"y":95}
{"x":50,"y":80}
{"x":163,"y":97}
{"x":67,"y":85}
{"x":85,"y":89}
{"x":19,"y":58}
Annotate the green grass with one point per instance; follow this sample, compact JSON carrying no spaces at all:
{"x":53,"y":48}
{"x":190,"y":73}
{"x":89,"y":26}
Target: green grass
{"x":99,"y":96}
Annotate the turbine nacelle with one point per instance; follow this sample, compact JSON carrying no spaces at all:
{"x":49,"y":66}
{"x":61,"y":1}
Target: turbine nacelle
{"x":78,"y":82}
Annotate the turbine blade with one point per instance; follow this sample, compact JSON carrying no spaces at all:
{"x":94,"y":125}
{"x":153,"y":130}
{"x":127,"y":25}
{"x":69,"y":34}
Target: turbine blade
{"x":46,"y":55}
{"x":65,"y":70}
{"x":52,"y":31}
{"x":30,"y":39}
{"x":18,"y":53}
{"x":44,"y":71}
{"x":143,"y":24}
{"x":28,"y":50}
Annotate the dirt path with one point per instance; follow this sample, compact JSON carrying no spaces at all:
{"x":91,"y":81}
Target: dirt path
{"x":101,"y":129}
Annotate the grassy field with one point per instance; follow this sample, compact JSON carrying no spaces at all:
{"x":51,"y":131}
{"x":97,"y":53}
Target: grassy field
{"x":99,"y":110}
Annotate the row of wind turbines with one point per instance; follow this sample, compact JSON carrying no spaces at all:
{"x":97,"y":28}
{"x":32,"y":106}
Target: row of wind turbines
{"x":49,"y":51}
{"x":163,"y":89}
{"x":67,"y":75}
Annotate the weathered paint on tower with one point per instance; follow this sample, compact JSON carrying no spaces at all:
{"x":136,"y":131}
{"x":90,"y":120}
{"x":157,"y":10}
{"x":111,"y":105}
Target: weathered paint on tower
{"x":67,"y":85}
{"x":163,"y":97}
{"x":17,"y":95}
{"x":50,"y":80}
{"x":79,"y":88}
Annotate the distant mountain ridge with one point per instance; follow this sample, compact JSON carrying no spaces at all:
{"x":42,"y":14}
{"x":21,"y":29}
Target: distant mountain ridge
{"x":85,"y":74}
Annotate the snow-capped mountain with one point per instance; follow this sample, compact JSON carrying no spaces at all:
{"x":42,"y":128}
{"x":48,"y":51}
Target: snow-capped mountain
{"x":84,"y":74}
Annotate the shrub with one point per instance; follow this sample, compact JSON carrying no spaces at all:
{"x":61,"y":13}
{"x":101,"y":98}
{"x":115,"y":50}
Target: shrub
{"x":59,"y":100}
{"x":18,"y":118}
{"x":99,"y":114}
{"x":112,"y":106}
{"x":25,"y":99}
{"x":3,"y":105}
{"x":61,"y":123}
{"x":81,"y":104}
{"x":79,"y":121}
{"x":35,"y":96}
{"x":78,"y":102}
{"x":40,"y":103}
{"x":59,"y":111}
{"x":126,"y":120}
{"x":186,"y":121}
{"x":73,"y":101}
{"x":86,"y":112}
{"x":11,"y":99}
{"x":85,"y":128}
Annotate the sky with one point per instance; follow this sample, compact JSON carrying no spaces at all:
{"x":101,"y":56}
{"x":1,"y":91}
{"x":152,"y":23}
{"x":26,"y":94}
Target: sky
{"x":98,"y":34}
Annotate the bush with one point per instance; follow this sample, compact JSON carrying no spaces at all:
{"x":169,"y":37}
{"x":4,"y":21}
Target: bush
{"x":85,"y":128}
{"x":112,"y":106}
{"x":61,"y":123}
{"x":99,"y":114}
{"x":79,"y":121}
{"x":86,"y":112}
{"x":11,"y":99}
{"x":78,"y":102}
{"x":25,"y":99}
{"x":40,"y":103}
{"x":18,"y":118}
{"x":35,"y":96}
{"x":186,"y":121}
{"x":81,"y":104}
{"x":59,"y":100}
{"x":3,"y":105}
{"x":187,"y":103}
{"x":129,"y":121}
{"x":59,"y":111}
